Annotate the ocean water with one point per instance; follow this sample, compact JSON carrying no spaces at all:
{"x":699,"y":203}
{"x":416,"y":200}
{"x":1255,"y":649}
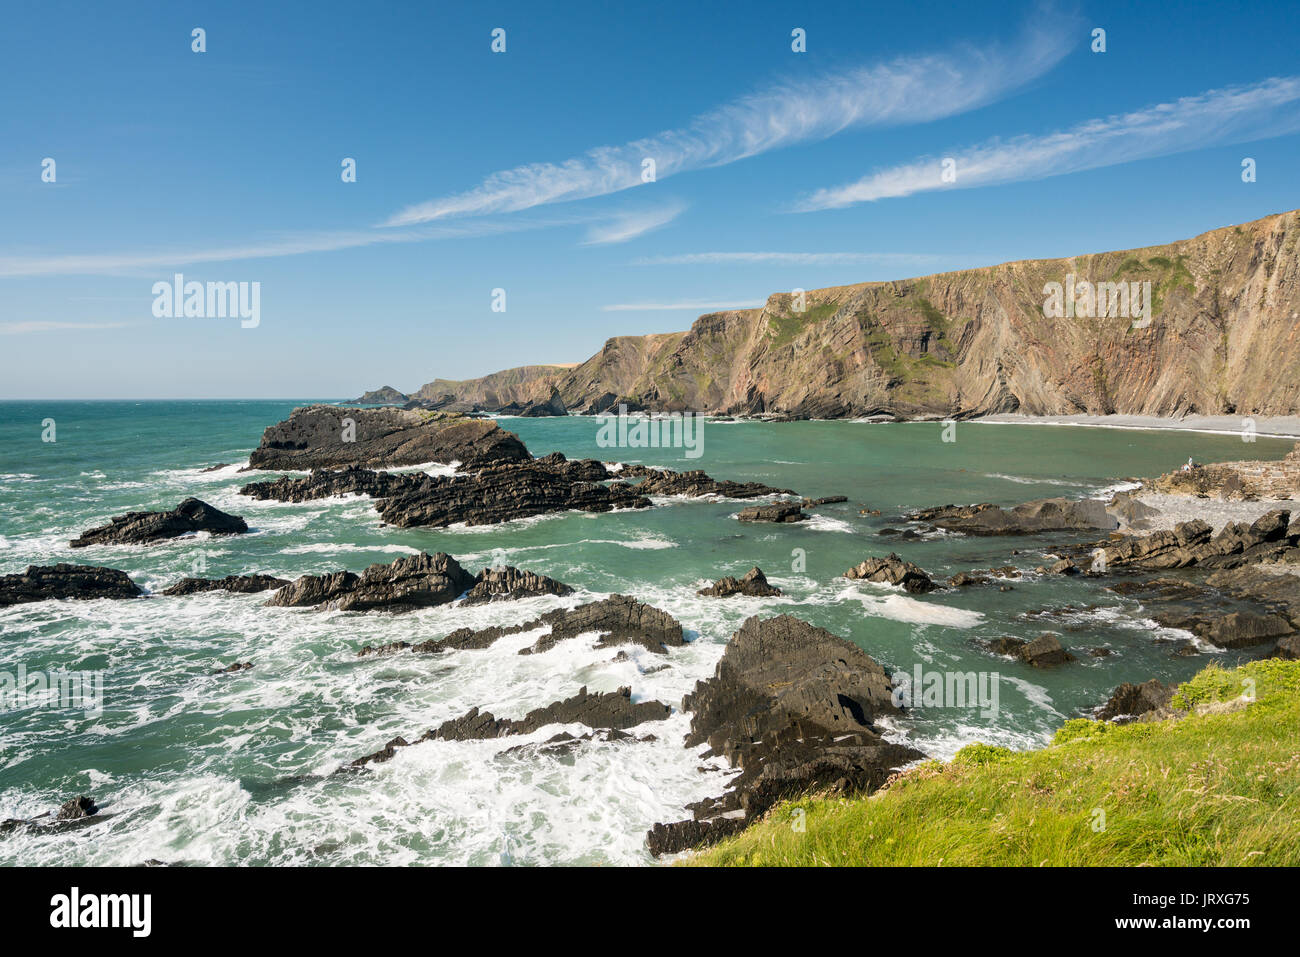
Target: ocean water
{"x":237,"y":769}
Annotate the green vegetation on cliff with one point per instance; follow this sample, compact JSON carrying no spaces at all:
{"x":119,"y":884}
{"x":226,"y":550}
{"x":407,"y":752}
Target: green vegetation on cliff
{"x":1220,"y":786}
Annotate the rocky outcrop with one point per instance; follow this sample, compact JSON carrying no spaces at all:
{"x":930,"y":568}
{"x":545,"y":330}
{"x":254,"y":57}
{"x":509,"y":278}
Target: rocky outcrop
{"x":415,"y":581}
{"x":1195,"y":543}
{"x":1130,"y":701}
{"x":614,"y":710}
{"x":1029,"y":518}
{"x":243,"y":584}
{"x":142,"y":528}
{"x":892,"y":570}
{"x":1045,"y":651}
{"x":696,"y":484}
{"x":616,"y":620}
{"x":501,"y":494}
{"x":331,"y":436}
{"x":773,"y":512}
{"x":72,"y":814}
{"x":752,"y":584}
{"x":45,"y":582}
{"x":1235,"y":481}
{"x":329,"y":483}
{"x":500,"y":584}
{"x":793,"y":707}
{"x":976,"y":341}
{"x":384,"y":395}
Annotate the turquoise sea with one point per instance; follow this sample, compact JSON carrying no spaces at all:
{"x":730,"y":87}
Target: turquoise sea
{"x":236,"y":769}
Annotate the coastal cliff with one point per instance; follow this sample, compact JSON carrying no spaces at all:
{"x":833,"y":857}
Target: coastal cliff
{"x":1221,"y":339}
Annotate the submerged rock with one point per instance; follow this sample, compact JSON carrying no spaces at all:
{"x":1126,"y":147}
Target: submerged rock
{"x":330,"y":436}
{"x":243,"y":584}
{"x":415,"y":581}
{"x":752,"y":584}
{"x":894,"y":571}
{"x":192,"y":515}
{"x":794,"y":707}
{"x":86,"y":582}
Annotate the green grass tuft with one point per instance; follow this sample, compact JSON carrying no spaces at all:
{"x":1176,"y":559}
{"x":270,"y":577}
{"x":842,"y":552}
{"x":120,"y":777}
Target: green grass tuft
{"x":1220,"y":786}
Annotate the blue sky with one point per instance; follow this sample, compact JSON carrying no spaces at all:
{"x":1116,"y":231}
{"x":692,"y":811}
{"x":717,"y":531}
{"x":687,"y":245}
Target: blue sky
{"x":520,"y":170}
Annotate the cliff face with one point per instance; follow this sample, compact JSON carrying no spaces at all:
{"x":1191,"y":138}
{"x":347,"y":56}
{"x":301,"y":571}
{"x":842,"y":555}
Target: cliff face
{"x":1223,"y":338}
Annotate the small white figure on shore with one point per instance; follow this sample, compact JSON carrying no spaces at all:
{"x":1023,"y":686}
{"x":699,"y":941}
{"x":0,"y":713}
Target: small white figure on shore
{"x":1189,"y":466}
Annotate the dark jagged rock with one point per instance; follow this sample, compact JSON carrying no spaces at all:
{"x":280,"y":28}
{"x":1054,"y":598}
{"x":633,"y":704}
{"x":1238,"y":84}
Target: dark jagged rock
{"x":1045,"y":651}
{"x":72,"y":814}
{"x":415,"y":581}
{"x":696,"y":484}
{"x":773,"y":512}
{"x":1288,"y":647}
{"x":316,"y":436}
{"x":1243,"y":629}
{"x":501,"y":584}
{"x":827,"y":500}
{"x":752,"y":584}
{"x":77,"y":808}
{"x":576,"y":470}
{"x":243,"y":584}
{"x":963,"y":579}
{"x":44,"y":582}
{"x":615,"y":620}
{"x":1130,"y":701}
{"x":612,"y":710}
{"x":894,"y":571}
{"x":1194,"y":543}
{"x":551,"y":406}
{"x":1030,"y":518}
{"x":329,"y":483}
{"x":794,"y":707}
{"x":190,"y":516}
{"x":618,"y":620}
{"x":1006,"y":645}
{"x":501,"y":494}
{"x":234,"y":668}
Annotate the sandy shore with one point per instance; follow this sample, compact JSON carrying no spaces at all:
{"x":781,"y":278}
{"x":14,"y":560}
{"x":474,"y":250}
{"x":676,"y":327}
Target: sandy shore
{"x":1267,"y":426}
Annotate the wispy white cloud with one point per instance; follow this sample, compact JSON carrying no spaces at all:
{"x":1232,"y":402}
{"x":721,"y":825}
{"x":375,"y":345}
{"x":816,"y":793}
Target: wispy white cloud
{"x":679,"y":306}
{"x":790,"y":259}
{"x":603,"y":227}
{"x":910,"y":89}
{"x":1232,"y":115}
{"x":628,"y":225}
{"x":23,"y":328}
{"x":108,"y":263}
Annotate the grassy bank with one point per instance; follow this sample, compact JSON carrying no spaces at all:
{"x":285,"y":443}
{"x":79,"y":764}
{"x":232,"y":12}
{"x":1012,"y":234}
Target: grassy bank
{"x":1219,"y":786}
